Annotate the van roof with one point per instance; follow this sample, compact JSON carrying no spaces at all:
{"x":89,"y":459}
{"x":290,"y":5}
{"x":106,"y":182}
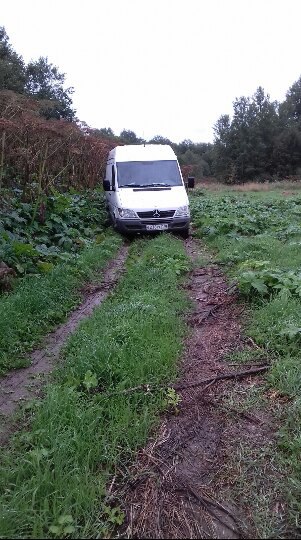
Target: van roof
{"x":141,"y":152}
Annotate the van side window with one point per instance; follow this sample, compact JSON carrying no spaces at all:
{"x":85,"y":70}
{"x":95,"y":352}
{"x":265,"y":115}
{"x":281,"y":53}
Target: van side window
{"x":113,"y":176}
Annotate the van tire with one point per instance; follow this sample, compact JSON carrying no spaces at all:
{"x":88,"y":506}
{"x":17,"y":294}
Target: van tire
{"x":108,"y":220}
{"x":114,"y":222}
{"x":184,"y":233}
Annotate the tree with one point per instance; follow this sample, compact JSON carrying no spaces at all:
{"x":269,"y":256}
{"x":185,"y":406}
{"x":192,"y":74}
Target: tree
{"x":292,"y":103}
{"x":244,"y":147}
{"x":107,"y":133}
{"x":265,"y":129}
{"x":194,"y":158}
{"x":288,"y":143}
{"x":12,"y":69}
{"x":129,"y":137}
{"x":222,"y":150}
{"x":185,"y":145}
{"x":158,"y":139}
{"x":45,"y":82}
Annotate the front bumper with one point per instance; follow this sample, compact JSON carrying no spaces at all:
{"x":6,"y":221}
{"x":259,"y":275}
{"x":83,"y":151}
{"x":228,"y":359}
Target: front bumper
{"x":139,"y":225}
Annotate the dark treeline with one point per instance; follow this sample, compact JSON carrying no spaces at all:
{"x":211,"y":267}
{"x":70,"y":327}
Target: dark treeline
{"x":43,"y":144}
{"x":261,"y":142}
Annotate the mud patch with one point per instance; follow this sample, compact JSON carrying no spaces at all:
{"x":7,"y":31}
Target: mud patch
{"x":25,"y":383}
{"x":174,"y":489}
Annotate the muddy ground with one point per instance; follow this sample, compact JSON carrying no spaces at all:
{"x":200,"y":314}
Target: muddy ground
{"x":178,"y":487}
{"x":24,"y":384}
{"x":180,"y":483}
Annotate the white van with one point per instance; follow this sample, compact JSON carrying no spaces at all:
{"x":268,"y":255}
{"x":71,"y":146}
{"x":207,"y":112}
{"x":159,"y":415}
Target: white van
{"x":145,"y":190}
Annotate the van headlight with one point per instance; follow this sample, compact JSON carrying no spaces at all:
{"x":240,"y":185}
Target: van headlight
{"x":127,"y":213}
{"x":182,"y":211}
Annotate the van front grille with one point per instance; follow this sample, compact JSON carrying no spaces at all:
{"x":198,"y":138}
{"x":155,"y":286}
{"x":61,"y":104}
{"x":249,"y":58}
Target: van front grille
{"x":156,"y":214}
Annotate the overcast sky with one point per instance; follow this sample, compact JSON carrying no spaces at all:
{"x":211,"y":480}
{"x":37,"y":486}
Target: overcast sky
{"x":164,"y":67}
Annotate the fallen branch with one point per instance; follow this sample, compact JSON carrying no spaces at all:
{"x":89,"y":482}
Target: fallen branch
{"x":251,"y":418}
{"x":232,"y":287}
{"x":236,"y":375}
{"x":253,"y":364}
{"x":149,"y":388}
{"x":254,"y":344}
{"x":208,"y":503}
{"x":142,"y":387}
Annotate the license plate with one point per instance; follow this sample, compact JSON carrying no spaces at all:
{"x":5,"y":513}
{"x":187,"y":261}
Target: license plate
{"x":157,"y":227}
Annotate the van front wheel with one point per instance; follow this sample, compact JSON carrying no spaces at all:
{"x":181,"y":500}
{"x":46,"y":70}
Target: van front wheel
{"x":114,"y":221}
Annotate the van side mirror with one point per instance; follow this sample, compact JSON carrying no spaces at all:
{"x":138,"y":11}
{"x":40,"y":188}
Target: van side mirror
{"x":106,"y":185}
{"x":190,"y":182}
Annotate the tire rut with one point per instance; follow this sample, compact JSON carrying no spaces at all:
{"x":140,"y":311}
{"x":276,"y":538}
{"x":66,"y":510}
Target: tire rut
{"x":173,"y":489}
{"x":25,"y":383}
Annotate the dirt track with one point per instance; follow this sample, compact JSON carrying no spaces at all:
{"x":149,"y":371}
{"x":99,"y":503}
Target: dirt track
{"x":175,"y":489}
{"x":178,"y":487}
{"x":23,"y":384}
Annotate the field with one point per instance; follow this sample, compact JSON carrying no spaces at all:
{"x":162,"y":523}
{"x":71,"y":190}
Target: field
{"x":77,"y":449}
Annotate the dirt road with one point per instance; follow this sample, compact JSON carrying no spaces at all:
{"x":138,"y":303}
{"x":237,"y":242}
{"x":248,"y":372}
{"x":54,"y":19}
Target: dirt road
{"x":179,"y":486}
{"x":24,"y":384}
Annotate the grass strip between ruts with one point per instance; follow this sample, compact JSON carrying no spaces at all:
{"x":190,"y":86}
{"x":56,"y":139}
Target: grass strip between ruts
{"x":54,"y":475}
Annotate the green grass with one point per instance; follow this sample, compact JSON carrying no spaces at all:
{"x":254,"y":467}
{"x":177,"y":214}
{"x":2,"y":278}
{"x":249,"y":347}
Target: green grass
{"x":257,"y":238}
{"x":39,"y":302}
{"x":264,"y":489}
{"x":55,"y":473}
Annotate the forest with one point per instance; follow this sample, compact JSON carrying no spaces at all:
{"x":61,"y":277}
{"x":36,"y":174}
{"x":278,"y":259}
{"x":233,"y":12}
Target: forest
{"x":43,"y":144}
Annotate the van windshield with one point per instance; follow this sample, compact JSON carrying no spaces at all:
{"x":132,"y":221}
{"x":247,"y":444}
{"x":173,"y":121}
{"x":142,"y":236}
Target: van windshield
{"x":148,"y":173}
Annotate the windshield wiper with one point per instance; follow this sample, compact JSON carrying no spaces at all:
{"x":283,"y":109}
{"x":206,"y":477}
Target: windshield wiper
{"x":132,"y":184}
{"x":153,"y":184}
{"x":157,"y":184}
